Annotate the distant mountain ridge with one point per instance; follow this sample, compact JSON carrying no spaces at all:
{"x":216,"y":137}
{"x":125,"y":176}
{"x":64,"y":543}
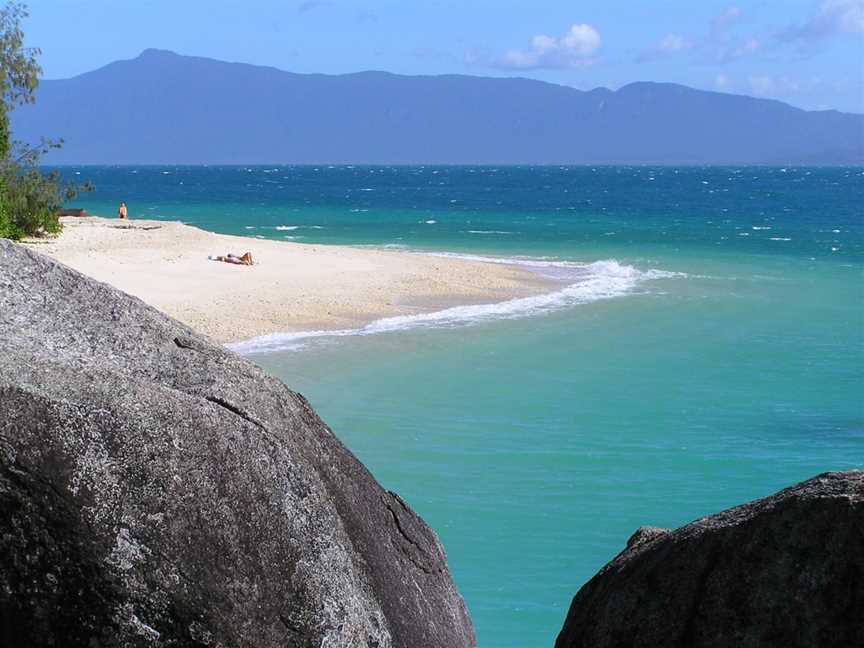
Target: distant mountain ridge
{"x":164,"y":108}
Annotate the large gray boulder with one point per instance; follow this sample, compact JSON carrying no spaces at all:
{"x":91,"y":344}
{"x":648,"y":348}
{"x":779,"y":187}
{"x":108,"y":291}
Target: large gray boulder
{"x":787,"y":570}
{"x":158,"y":490}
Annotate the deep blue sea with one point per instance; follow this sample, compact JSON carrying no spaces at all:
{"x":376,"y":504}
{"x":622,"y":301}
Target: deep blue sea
{"x":707,"y":349}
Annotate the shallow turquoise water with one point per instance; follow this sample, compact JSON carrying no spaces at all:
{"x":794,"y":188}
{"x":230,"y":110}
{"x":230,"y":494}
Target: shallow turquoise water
{"x":718,"y":359}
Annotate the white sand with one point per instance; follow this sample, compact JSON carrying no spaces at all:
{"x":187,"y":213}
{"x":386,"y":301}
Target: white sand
{"x":292,"y":287}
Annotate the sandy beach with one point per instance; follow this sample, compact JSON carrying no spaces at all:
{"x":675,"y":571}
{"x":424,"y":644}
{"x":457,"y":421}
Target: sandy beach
{"x":292,"y":287}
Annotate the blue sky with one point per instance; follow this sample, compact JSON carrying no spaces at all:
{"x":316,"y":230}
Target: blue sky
{"x":809,"y":53}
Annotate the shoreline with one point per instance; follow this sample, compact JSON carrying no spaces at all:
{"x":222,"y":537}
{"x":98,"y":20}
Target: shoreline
{"x":293,"y":288}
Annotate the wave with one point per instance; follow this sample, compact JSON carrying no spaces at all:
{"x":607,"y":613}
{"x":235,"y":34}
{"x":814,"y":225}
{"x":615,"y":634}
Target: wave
{"x":588,"y":282}
{"x":488,"y":232}
{"x":289,"y":228}
{"x":576,"y":268}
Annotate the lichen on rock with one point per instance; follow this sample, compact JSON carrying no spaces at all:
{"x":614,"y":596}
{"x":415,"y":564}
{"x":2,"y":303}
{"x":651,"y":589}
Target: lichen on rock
{"x":786,"y":570}
{"x":156,"y":489}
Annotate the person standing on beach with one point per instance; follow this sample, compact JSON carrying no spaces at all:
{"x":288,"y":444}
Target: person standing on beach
{"x":121,"y":211}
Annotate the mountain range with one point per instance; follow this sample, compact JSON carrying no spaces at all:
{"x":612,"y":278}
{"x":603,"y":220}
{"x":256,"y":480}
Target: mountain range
{"x":164,"y":108}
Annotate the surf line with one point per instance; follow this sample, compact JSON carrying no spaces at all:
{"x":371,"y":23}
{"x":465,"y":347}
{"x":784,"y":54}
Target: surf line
{"x":584,"y":283}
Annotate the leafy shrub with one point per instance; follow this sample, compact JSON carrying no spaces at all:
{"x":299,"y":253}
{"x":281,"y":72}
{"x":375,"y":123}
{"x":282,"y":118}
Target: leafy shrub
{"x":30,"y":200}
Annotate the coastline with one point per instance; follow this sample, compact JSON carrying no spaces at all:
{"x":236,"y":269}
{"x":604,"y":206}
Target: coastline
{"x":293,"y":287}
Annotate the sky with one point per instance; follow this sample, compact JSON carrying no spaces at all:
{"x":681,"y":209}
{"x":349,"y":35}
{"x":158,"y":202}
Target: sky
{"x":809,"y":53}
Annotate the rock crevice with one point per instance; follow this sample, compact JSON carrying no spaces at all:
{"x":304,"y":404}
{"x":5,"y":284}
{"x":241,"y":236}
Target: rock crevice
{"x":189,"y":497}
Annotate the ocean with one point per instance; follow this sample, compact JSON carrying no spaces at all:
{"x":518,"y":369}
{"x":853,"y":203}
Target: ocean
{"x":706,"y":348}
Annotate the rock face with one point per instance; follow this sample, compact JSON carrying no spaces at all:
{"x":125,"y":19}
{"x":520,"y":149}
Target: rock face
{"x":157,"y":490}
{"x":787,"y":570}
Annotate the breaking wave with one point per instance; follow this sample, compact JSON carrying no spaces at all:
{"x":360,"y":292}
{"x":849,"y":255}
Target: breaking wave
{"x":585,"y":283}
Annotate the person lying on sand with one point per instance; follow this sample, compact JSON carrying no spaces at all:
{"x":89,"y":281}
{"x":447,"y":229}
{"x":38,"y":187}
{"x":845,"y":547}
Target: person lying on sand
{"x":246,"y":259}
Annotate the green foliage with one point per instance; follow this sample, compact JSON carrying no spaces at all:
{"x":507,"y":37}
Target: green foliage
{"x":19,"y":70}
{"x":8,"y":229}
{"x":30,"y":200}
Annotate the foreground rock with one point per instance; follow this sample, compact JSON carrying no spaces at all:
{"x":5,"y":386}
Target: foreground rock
{"x":787,"y":570}
{"x":157,"y":490}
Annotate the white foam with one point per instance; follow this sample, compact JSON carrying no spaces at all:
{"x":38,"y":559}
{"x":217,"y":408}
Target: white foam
{"x":779,"y":238}
{"x":565,"y":268}
{"x":286,"y":228}
{"x":588,"y":282}
{"x":488,"y":232}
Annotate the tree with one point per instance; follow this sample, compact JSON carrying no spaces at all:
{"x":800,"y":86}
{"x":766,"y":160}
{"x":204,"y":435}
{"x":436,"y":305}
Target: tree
{"x":20,"y":70}
{"x":30,"y":200}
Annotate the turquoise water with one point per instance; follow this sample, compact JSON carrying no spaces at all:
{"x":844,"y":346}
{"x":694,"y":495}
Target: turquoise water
{"x":709,"y":350}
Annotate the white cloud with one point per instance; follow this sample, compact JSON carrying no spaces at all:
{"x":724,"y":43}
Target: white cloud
{"x":576,"y":48}
{"x":770,"y":86}
{"x":673,"y":43}
{"x":669,"y":45}
{"x":723,"y":21}
{"x":834,"y":17}
{"x":719,"y":44}
{"x":809,"y":92}
{"x":311,"y":5}
{"x":737,"y":50}
{"x":723,"y":45}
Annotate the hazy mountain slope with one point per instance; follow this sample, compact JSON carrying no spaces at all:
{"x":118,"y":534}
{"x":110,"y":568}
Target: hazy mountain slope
{"x":165,"y":108}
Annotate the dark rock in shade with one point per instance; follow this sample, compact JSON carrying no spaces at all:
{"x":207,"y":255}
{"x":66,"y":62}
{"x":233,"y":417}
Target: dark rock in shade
{"x":787,"y":570}
{"x":77,"y":212}
{"x":157,"y":490}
